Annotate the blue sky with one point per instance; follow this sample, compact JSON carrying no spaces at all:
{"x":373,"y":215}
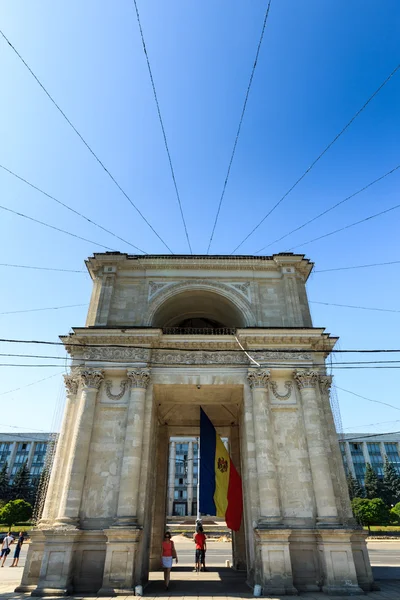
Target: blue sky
{"x":319,"y":62}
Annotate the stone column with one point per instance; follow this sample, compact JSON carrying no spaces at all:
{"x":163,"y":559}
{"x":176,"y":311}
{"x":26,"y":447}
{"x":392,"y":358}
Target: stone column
{"x":171,"y":478}
{"x":365,"y":452}
{"x":30,"y":455}
{"x":159,"y":504}
{"x":268,"y":487}
{"x":316,"y":440}
{"x":62,"y":451}
{"x":74,"y":477}
{"x":131,"y":461}
{"x":238,"y":537}
{"x":337,"y":562}
{"x":325,"y":382}
{"x":383,"y":451}
{"x":190,"y":478}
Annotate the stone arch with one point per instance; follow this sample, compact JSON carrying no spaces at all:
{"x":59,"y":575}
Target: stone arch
{"x":200,"y":299}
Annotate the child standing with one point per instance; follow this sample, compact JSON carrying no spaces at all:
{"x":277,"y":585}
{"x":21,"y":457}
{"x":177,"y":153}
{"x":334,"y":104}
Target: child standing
{"x":201,"y":547}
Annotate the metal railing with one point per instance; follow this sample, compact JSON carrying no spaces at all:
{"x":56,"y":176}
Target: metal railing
{"x":198,"y":331}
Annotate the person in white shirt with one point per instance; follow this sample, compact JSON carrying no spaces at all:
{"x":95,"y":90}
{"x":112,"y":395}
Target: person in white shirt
{"x":5,"y":547}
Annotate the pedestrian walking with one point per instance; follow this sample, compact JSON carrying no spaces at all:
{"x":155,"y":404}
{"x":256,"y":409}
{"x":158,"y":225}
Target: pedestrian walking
{"x":201,"y":547}
{"x":167,"y":556}
{"x":18,"y":549}
{"x":5,"y":547}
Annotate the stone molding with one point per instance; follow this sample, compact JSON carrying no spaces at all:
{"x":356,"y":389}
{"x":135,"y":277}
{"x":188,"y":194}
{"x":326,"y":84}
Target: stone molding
{"x":325,"y":383}
{"x":71,"y":384}
{"x":258,"y":378}
{"x":274,"y":387}
{"x":156,"y":286}
{"x":117,"y":354}
{"x":122,"y":388}
{"x":244,"y":287}
{"x":198,"y":358}
{"x":306,"y":379}
{"x":139,"y":378}
{"x":92,"y":378}
{"x":224,"y":289}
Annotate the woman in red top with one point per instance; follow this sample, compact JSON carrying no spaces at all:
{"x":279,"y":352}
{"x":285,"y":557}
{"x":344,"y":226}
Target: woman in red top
{"x":168,"y":554}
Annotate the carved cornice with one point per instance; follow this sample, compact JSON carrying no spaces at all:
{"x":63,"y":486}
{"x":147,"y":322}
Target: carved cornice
{"x":122,"y":387}
{"x":91,"y":378}
{"x":71,"y":384}
{"x":198,"y":358}
{"x":306,"y":379}
{"x":139,"y":378}
{"x":258,"y":378}
{"x":117,"y":354}
{"x":325,"y":382}
{"x":274,"y":387}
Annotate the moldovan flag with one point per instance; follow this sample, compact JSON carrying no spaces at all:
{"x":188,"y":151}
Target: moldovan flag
{"x":220,"y":483}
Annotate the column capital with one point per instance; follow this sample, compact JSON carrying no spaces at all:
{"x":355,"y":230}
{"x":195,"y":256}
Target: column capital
{"x":71,"y":384}
{"x":258,"y":378}
{"x":92,"y":378}
{"x":139,"y":378}
{"x":306,"y":379}
{"x":325,"y":382}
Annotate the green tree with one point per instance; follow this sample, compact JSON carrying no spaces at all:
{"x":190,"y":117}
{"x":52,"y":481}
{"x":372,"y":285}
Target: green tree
{"x":21,"y":486}
{"x":15,"y":511}
{"x":372,"y":484}
{"x":370,"y":512}
{"x":4,"y":483}
{"x":395,"y":514}
{"x":355,"y":489}
{"x":391,"y":484}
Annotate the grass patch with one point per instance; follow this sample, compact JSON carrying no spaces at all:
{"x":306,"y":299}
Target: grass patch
{"x":384,"y":528}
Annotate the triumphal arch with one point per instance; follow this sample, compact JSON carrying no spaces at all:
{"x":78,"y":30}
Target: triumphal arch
{"x":168,"y":334}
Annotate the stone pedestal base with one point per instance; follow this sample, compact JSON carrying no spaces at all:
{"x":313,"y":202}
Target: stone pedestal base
{"x":119,"y":567}
{"x":55,"y":577}
{"x":361,"y":561}
{"x":276,"y":567}
{"x":337,"y":562}
{"x":33,"y":562}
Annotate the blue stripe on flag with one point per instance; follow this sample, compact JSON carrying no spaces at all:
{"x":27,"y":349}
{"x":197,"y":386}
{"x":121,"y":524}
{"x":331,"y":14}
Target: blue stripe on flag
{"x":207,"y":465}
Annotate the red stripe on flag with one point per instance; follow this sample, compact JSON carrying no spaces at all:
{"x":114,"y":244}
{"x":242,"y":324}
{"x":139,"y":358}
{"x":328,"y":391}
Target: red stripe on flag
{"x":234,"y":511}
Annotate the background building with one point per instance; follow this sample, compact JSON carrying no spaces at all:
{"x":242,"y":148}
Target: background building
{"x":18,"y":448}
{"x":358,"y":449}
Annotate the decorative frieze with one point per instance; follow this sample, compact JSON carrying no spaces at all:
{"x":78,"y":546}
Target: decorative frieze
{"x":71,"y":384}
{"x":155,"y":286}
{"x":258,"y":378}
{"x":117,"y":354}
{"x":288,"y":386}
{"x":122,"y":389}
{"x":178,"y":357}
{"x":244,"y":287}
{"x":306,"y":379}
{"x":92,"y":378}
{"x":139,"y":378}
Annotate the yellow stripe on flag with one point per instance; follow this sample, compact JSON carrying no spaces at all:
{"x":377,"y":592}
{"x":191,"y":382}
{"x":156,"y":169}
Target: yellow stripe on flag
{"x":222,"y":472}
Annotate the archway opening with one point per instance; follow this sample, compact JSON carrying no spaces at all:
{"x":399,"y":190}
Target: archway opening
{"x":198,"y":309}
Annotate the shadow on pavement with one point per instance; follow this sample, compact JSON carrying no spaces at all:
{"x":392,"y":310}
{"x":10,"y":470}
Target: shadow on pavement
{"x":386,"y":573}
{"x":216,"y":581}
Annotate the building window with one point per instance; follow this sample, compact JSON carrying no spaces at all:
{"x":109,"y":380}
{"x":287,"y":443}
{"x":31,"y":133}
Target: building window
{"x":393,"y":455}
{"x":358,"y":461}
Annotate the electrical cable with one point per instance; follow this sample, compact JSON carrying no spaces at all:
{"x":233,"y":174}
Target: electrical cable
{"x":393,"y":262}
{"x":330,"y":208}
{"x":363,"y":437}
{"x":55,"y":228}
{"x":83,"y":140}
{"x":346,"y":227}
{"x":239,"y":126}
{"x":13,"y":312}
{"x":70,"y":208}
{"x":369,"y":399}
{"x":162,"y":125}
{"x":318,"y":158}
{"x":27,"y":385}
{"x":372,"y":424}
{"x":208,"y":350}
{"x":43,"y":268}
{"x":357,"y":307}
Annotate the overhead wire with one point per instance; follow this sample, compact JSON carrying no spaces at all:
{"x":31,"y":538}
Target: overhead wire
{"x":239,"y":126}
{"x":19,"y":214}
{"x":155,"y":363}
{"x":354,"y":117}
{"x":383,"y":212}
{"x":369,"y":399}
{"x":28,"y":385}
{"x":208,"y":350}
{"x":363,"y":437}
{"x":12,"y":312}
{"x":357,"y":307}
{"x":43,"y":268}
{"x":57,"y":106}
{"x":393,"y":262}
{"x":162,"y":125}
{"x":372,"y":424}
{"x":371,"y":183}
{"x":76,"y":212}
